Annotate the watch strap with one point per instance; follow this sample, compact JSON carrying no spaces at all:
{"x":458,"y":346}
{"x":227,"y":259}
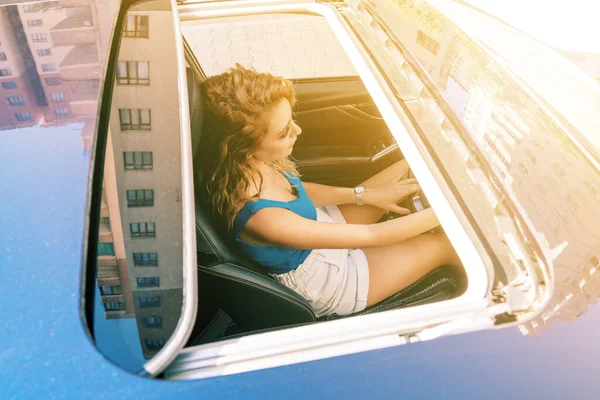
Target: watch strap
{"x":358,"y":195}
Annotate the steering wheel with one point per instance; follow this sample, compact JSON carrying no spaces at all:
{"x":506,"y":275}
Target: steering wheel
{"x":415,"y":203}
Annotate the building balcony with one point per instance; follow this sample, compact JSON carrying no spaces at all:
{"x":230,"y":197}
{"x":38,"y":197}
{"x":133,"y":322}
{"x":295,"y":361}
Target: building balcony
{"x":110,"y":298}
{"x":71,"y":38}
{"x":82,"y":63}
{"x":104,"y":205}
{"x":112,"y":281}
{"x":76,"y":18}
{"x":75,"y":22}
{"x":115,"y":314}
{"x":106,"y":272}
{"x":85,"y":54}
{"x":73,"y":3}
{"x":110,"y":261}
{"x":105,"y":234}
{"x":86,"y":90}
{"x":77,"y":28}
{"x":82,"y":109}
{"x":87,"y":133}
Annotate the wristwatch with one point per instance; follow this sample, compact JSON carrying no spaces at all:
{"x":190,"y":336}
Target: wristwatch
{"x":358,"y":193}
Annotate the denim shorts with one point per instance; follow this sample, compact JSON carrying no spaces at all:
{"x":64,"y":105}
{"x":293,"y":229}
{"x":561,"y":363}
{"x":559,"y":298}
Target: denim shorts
{"x":333,"y":281}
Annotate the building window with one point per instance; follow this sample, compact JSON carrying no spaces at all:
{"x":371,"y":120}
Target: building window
{"x":25,"y":116}
{"x":48,"y":67}
{"x":110,"y":290}
{"x":140,"y":198}
{"x":152,"y":281}
{"x":429,"y":43}
{"x":137,"y":26}
{"x":154,"y":344}
{"x":44,"y":52}
{"x":58,"y":97}
{"x":39,"y":37}
{"x":106,"y":249}
{"x":34,"y":22}
{"x":2,"y":56}
{"x":133,"y":73}
{"x":114,"y":305}
{"x":53,"y":81}
{"x":149,"y":302}
{"x":152,"y":322}
{"x":144,"y":259}
{"x":16,"y":101}
{"x":9,"y":85}
{"x":134,"y":119}
{"x":61,"y":112}
{"x":138,"y":159}
{"x":142,"y":229}
{"x":5,"y":72}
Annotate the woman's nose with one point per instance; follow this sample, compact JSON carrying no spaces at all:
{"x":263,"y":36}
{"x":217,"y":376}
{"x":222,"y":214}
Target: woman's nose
{"x":297,"y":129}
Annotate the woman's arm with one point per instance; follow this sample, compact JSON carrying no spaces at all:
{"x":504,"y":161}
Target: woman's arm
{"x":384,"y":197}
{"x":323,"y":195}
{"x":282,"y":227}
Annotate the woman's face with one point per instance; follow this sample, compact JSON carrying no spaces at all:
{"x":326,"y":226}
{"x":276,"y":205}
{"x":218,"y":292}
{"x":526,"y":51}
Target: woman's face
{"x":283,"y":132}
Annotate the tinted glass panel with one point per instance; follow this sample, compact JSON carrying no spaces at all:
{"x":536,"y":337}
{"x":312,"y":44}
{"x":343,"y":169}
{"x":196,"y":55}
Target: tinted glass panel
{"x":527,"y":143}
{"x":139,"y":287}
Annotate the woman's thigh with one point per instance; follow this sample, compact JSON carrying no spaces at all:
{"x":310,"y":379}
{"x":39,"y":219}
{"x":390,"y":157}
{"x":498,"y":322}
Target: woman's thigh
{"x":394,"y":267}
{"x":366,"y":214}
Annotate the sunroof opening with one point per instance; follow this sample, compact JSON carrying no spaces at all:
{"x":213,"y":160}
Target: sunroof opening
{"x":345,"y":140}
{"x":366,"y":104}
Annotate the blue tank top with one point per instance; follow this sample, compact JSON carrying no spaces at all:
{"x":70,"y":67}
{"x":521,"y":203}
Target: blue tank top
{"x":278,"y":260}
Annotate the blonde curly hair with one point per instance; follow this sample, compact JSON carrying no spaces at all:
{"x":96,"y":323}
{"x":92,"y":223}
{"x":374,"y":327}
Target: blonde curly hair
{"x":237,"y":106}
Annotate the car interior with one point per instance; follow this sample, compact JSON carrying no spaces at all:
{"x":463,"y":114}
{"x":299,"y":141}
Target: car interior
{"x":345,"y":140}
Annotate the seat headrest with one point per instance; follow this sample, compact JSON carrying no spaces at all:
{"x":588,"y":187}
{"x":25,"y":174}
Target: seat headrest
{"x":195,"y":91}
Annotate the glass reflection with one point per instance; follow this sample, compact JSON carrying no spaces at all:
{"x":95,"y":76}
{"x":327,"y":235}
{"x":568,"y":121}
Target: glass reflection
{"x":51,"y":64}
{"x":535,"y":159}
{"x":140,"y":244}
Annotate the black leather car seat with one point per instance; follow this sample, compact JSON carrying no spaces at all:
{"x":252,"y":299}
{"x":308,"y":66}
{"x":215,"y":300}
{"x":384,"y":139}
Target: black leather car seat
{"x":244,"y":289}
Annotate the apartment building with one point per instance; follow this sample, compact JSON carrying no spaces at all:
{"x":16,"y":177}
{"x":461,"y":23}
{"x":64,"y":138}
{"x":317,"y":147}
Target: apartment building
{"x":50,"y":69}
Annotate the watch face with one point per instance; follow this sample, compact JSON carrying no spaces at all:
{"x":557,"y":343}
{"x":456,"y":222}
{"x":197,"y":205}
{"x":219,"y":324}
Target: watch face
{"x":359,"y":189}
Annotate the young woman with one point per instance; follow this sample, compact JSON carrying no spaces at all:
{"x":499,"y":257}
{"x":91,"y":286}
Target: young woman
{"x":322,"y":241}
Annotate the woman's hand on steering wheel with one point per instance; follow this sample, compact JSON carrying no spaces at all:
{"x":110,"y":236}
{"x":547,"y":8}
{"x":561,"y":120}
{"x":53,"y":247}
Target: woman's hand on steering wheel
{"x":389,"y":195}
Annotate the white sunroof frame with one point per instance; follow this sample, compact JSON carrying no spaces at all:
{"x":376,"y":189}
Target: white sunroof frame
{"x":356,"y":334}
